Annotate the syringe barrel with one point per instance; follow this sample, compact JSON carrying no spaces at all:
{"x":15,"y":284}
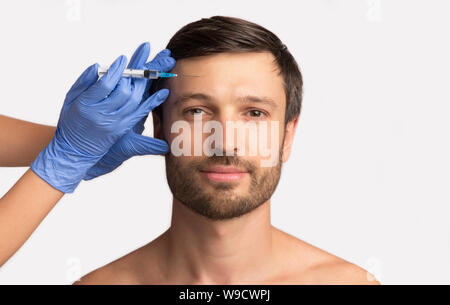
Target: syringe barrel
{"x":137,"y":73}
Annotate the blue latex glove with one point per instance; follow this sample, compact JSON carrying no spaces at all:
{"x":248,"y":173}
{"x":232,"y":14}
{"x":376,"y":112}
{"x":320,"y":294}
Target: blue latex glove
{"x":91,"y":121}
{"x":133,"y":143}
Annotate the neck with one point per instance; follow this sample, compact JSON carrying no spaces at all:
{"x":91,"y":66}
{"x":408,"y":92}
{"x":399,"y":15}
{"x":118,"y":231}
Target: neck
{"x":200,"y":250}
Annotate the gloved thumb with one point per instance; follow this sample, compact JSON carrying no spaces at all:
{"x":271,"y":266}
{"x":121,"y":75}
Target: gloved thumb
{"x":86,"y":79}
{"x":132,"y":144}
{"x":145,"y":107}
{"x":139,"y":145}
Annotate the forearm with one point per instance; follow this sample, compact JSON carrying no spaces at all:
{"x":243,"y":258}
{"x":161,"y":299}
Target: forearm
{"x":21,"y":141}
{"x":22,"y":209}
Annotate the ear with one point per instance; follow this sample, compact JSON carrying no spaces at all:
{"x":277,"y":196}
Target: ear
{"x":289,"y":138}
{"x":157,"y":127}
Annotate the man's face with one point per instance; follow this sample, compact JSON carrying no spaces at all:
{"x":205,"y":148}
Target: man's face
{"x":226,"y":88}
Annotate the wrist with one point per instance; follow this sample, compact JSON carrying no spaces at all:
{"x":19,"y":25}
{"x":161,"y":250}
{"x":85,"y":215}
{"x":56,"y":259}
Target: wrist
{"x":61,"y":167}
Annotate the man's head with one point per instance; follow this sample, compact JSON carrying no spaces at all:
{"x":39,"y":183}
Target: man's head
{"x":230,"y":70}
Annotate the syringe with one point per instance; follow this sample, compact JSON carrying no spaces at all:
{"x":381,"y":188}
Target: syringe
{"x":137,"y":73}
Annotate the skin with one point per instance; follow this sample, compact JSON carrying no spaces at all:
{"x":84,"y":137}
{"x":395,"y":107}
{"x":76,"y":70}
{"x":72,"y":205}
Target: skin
{"x":21,"y":211}
{"x":239,"y":250}
{"x":20,"y":148}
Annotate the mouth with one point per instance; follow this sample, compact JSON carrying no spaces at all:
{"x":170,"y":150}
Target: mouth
{"x":224,"y":173}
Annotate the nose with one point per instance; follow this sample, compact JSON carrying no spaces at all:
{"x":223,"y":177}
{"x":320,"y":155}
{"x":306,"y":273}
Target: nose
{"x":232,"y":141}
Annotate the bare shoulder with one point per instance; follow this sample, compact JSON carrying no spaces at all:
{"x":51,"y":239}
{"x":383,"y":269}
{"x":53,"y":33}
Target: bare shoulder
{"x":337,"y":271}
{"x":137,"y":267}
{"x":118,"y":272}
{"x":312,"y":265}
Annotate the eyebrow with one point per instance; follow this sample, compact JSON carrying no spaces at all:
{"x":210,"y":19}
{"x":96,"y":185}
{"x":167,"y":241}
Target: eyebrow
{"x":243,"y":99}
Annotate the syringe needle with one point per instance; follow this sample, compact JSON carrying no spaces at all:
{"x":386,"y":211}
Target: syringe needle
{"x":189,"y":75}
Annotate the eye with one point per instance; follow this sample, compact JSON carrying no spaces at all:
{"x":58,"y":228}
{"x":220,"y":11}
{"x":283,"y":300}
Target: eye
{"x":256,"y":113}
{"x":195,"y":111}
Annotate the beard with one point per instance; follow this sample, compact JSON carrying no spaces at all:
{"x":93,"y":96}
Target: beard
{"x":222,"y":201}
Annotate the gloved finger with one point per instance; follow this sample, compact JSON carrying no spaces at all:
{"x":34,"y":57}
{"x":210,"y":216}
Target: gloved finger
{"x":153,"y":101}
{"x":129,"y":145}
{"x":140,"y":56}
{"x":139,"y":127}
{"x":104,"y":166}
{"x":119,"y":97}
{"x":86,"y":79}
{"x":139,"y":145}
{"x":106,"y":84}
{"x":161,"y":63}
{"x":161,"y":54}
{"x":139,"y":86}
{"x":137,"y":62}
{"x":130,"y":106}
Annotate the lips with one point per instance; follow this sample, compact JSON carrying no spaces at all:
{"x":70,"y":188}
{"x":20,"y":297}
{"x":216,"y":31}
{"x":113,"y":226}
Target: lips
{"x":224,"y":173}
{"x":225,"y":169}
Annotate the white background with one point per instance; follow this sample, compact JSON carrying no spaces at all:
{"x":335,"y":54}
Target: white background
{"x":368,"y":179}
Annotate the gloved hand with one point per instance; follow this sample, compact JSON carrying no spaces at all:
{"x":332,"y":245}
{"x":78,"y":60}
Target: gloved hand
{"x":133,"y":143}
{"x":91,"y":121}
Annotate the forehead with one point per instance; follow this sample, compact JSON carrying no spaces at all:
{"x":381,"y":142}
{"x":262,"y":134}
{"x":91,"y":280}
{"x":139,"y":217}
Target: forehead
{"x":229,"y":75}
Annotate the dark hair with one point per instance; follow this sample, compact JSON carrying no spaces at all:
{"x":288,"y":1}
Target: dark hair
{"x":221,"y":34}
